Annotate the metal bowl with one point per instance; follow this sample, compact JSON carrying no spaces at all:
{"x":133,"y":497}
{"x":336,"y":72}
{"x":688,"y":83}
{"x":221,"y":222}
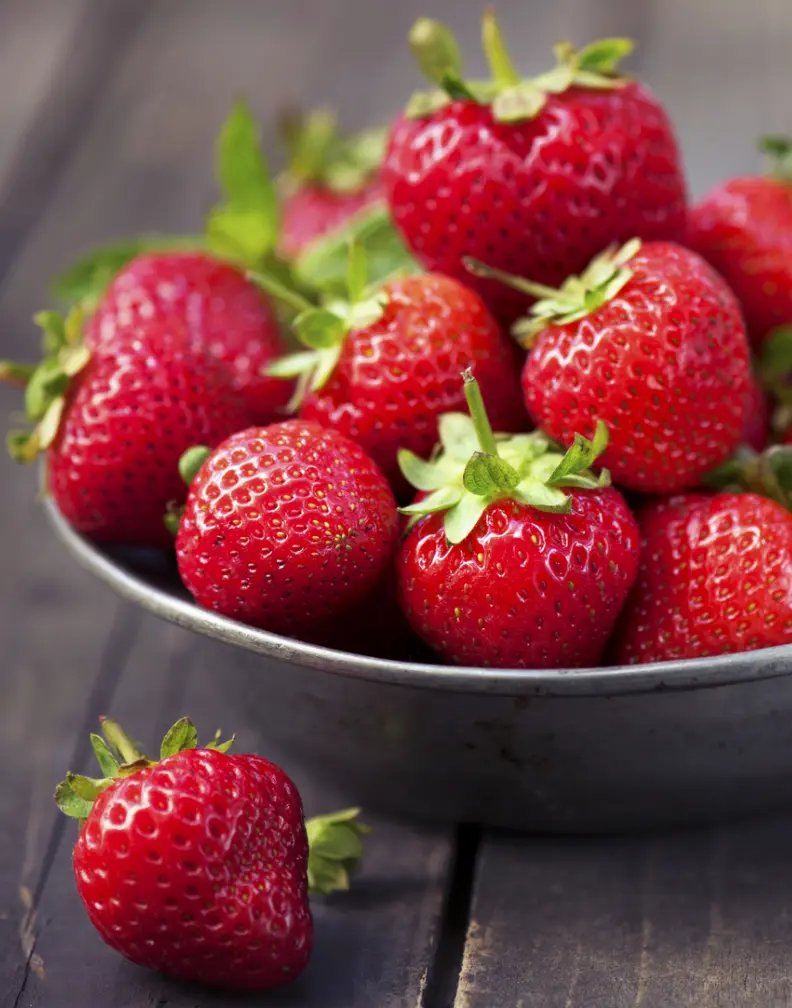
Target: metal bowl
{"x":573,"y":751}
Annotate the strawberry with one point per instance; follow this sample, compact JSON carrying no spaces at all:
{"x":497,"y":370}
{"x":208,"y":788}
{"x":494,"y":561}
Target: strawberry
{"x":520,"y":557}
{"x":649,"y":340}
{"x":115,"y":423}
{"x":286,"y":527}
{"x":534,"y":177}
{"x":218,"y":308}
{"x":329,"y":179}
{"x":715,"y":577}
{"x":743,"y":228}
{"x":198,"y":864}
{"x":384,"y":365}
{"x":756,"y":429}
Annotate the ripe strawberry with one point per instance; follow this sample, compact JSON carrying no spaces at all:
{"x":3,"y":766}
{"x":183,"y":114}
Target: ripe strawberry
{"x":536,"y":176}
{"x":520,"y":557}
{"x":216,"y":306}
{"x":715,"y":577}
{"x":384,"y":366}
{"x":198,"y":865}
{"x":650,"y":341}
{"x":286,"y":527}
{"x":115,"y":423}
{"x":743,"y":228}
{"x":329,"y":179}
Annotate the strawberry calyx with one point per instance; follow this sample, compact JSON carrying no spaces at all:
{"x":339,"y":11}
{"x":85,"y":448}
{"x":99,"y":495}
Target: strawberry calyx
{"x":576,"y":298}
{"x":64,"y":356}
{"x":775,"y":372}
{"x":767,"y":473}
{"x":511,"y":97}
{"x":473,"y":467}
{"x":118,"y":756}
{"x":335,"y":849}
{"x":190,"y":464}
{"x":322,"y":328}
{"x":778,"y":154}
{"x":319,"y":154}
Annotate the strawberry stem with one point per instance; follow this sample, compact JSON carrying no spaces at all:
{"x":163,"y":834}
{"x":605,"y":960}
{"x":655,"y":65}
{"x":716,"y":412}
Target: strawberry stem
{"x":120,"y":741}
{"x":478,"y":414}
{"x":191,"y":462}
{"x":503,"y":71}
{"x":436,"y":51}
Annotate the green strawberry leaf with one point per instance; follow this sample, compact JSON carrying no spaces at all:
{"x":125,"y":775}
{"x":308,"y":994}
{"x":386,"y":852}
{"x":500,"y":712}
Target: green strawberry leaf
{"x":462,"y":518}
{"x":245,"y":225}
{"x":108,"y":764}
{"x":179,"y":737}
{"x":604,"y":55}
{"x":88,"y":788}
{"x":486,"y":474}
{"x":423,"y":475}
{"x":191,"y":462}
{"x":319,"y":328}
{"x":580,"y":456}
{"x":335,"y":850}
{"x":70,"y":803}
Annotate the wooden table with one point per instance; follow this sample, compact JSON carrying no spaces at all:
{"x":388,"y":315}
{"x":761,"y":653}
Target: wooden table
{"x":107,"y":114}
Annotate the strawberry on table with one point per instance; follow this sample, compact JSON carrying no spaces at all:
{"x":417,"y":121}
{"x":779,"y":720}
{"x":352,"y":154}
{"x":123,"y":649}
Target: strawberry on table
{"x":114,"y":423}
{"x":286,"y":527}
{"x":329,"y":179}
{"x":533,"y":176}
{"x":520,"y":557}
{"x":716,"y":569}
{"x":649,"y":340}
{"x":198,"y":864}
{"x":743,"y":227}
{"x":383,"y":365}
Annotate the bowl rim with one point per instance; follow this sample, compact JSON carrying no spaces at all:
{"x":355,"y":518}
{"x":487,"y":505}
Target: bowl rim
{"x":611,"y":681}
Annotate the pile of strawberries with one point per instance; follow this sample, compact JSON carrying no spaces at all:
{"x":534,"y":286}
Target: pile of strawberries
{"x":483,"y":383}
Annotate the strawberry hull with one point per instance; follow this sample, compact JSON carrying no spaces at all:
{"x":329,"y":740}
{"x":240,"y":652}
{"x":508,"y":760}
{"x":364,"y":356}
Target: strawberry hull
{"x":570,"y":751}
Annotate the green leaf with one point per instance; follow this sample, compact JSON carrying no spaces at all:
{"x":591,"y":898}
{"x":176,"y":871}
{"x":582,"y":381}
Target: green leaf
{"x":335,"y":850}
{"x":487,"y":474}
{"x":172,"y":519}
{"x":23,"y":446}
{"x":604,"y":55}
{"x":273,"y":286}
{"x":440,"y":500}
{"x":53,"y":327}
{"x":461,"y":519}
{"x":423,"y":104}
{"x":581,"y":455}
{"x":357,"y":271}
{"x":179,"y":737}
{"x":191,"y":463}
{"x":292,"y":365}
{"x":48,"y":428}
{"x":219,"y":746}
{"x":458,"y":436}
{"x":12,"y":373}
{"x":518,"y":103}
{"x":248,"y":218}
{"x":108,"y":764}
{"x":435,"y":50}
{"x":366,"y":313}
{"x":87,"y":279}
{"x":88,"y":788}
{"x":326,"y":361}
{"x":422,"y":475}
{"x":71,"y":804}
{"x":319,"y":328}
{"x":544,"y":498}
{"x":47,"y":382}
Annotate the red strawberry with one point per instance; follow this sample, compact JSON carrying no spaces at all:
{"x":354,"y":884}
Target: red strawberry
{"x":219,"y":309}
{"x":650,"y":341}
{"x":386,"y":365}
{"x":198,"y":865}
{"x":715,"y":577}
{"x":534,"y":177}
{"x":330,"y":178}
{"x":744,"y":229}
{"x":115,"y":423}
{"x":286,"y":527}
{"x":521,"y":558}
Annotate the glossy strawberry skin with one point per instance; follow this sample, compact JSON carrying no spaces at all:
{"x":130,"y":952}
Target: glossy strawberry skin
{"x":526,"y":589}
{"x":539,"y":198}
{"x":743,"y":228}
{"x":665,"y":365}
{"x":715,"y":577}
{"x":286,"y":527}
{"x":198,"y":867}
{"x":312,"y":211}
{"x":222,"y":311}
{"x":396,"y":377}
{"x":129,"y":416}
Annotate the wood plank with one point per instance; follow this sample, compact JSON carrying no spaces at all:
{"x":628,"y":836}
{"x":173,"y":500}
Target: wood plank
{"x":688,"y":920}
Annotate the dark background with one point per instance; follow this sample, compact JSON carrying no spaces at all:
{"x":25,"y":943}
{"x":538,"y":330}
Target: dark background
{"x":108,"y":109}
